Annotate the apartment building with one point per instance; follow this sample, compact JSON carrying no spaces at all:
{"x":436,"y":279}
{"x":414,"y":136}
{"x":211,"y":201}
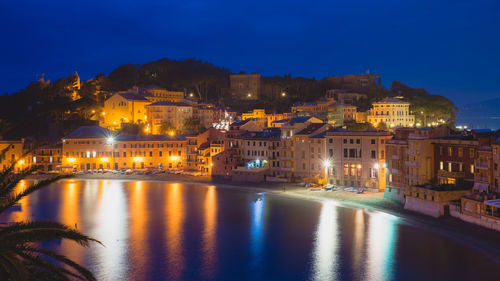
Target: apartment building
{"x":393,"y":112}
{"x":124,"y":107}
{"x":93,"y":147}
{"x":13,"y":151}
{"x":356,"y":159}
{"x":309,"y":148}
{"x":172,"y":113}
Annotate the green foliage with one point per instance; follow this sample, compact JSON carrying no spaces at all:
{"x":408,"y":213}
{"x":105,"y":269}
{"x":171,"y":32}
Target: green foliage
{"x":166,"y":128}
{"x":21,"y":251}
{"x":382,"y":126}
{"x":193,"y":126}
{"x":359,"y":127}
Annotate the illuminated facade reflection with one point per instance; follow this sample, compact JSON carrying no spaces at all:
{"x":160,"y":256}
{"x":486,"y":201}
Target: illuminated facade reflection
{"x":111,"y":230}
{"x":175,"y":218}
{"x":24,"y":213}
{"x":209,"y":233}
{"x":138,"y":227}
{"x":358,"y":242}
{"x":381,"y":243}
{"x":256,"y":232}
{"x":70,"y":215}
{"x":325,"y":261}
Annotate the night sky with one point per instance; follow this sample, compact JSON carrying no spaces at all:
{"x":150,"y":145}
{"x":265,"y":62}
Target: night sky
{"x":448,"y":47}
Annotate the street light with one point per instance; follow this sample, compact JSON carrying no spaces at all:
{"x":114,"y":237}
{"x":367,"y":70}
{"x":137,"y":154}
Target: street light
{"x":326,"y":163}
{"x":111,"y":140}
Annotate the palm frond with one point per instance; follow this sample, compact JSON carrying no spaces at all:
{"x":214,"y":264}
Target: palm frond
{"x":27,"y":232}
{"x":10,"y":200}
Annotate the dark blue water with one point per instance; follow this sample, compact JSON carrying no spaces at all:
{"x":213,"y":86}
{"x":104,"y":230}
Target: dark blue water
{"x":165,"y":231}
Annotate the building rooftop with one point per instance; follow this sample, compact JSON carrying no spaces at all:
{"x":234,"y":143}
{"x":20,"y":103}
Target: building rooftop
{"x":150,"y":138}
{"x":270,"y":133}
{"x":311,"y":129}
{"x":391,"y":100}
{"x":168,"y":103}
{"x":89,"y":132}
{"x":133,"y":96}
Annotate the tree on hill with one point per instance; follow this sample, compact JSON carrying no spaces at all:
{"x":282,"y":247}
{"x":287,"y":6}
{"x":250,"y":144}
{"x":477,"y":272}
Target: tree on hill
{"x":193,"y":126}
{"x":382,"y":126}
{"x":166,"y":128}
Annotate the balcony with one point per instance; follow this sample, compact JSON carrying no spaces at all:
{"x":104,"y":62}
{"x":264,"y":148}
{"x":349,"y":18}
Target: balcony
{"x":482,"y":165}
{"x":454,"y":175}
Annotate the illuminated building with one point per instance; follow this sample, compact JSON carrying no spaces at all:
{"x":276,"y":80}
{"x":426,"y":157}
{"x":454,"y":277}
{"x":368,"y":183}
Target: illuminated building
{"x":47,"y":158}
{"x":172,"y":113}
{"x":126,"y":107}
{"x":358,"y":159}
{"x":309,"y":148}
{"x":13,"y":153}
{"x":245,"y":86}
{"x":393,"y":112}
{"x":156,"y":94}
{"x":89,"y":148}
{"x":263,"y":118}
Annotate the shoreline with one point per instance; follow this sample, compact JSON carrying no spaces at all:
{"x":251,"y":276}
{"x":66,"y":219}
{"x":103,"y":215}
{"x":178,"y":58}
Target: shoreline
{"x":479,"y":238}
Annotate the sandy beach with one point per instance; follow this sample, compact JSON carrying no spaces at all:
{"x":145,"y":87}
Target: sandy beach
{"x":485,"y":240}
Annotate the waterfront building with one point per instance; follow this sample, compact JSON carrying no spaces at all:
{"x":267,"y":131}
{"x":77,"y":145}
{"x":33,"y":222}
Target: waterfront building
{"x":245,"y":86}
{"x":309,"y":156}
{"x":46,"y":158}
{"x":393,"y":112}
{"x":14,"y":150}
{"x":124,"y":107}
{"x":433,"y":200}
{"x":356,"y":159}
{"x":93,"y":147}
{"x":496,"y":166}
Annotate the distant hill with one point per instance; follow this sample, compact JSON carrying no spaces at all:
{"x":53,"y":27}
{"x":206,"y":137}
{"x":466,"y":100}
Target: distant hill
{"x":50,"y":108}
{"x":480,"y":115}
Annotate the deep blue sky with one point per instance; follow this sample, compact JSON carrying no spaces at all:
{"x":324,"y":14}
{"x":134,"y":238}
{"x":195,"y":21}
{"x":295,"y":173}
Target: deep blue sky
{"x":448,"y":47}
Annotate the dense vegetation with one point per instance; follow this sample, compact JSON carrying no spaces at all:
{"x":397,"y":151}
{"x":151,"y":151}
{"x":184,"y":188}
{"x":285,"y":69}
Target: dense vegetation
{"x":46,"y":109}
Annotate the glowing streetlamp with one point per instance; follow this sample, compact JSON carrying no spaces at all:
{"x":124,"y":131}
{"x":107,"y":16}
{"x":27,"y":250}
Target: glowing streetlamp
{"x":111,"y":141}
{"x":327,"y":164}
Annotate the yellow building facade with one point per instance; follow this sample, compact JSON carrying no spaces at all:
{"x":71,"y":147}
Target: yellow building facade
{"x":393,"y":112}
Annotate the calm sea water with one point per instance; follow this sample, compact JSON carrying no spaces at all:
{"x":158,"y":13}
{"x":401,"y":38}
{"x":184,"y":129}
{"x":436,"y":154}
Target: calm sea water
{"x":168,"y":231}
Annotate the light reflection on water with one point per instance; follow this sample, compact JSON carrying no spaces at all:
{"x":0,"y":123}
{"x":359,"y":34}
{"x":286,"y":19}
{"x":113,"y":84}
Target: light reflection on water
{"x":168,"y":231}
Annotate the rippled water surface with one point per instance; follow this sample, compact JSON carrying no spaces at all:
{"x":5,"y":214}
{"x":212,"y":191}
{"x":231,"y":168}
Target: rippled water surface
{"x":169,"y":231}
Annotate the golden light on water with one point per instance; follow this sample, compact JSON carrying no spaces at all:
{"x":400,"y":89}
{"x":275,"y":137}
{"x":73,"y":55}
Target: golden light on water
{"x":209,"y":232}
{"x":138,"y":226}
{"x":175,"y":219}
{"x":325,"y":255}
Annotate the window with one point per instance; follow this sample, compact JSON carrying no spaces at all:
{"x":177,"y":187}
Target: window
{"x":381,"y":154}
{"x":352,"y":153}
{"x":346,"y":170}
{"x":345,"y":152}
{"x":472,"y":168}
{"x":330,"y":140}
{"x":373,"y":154}
{"x":460,"y":152}
{"x":351,"y":141}
{"x":331,"y":152}
{"x":471,"y":153}
{"x":441,"y":165}
{"x":373,"y":141}
{"x":450,"y":151}
{"x":345,"y":140}
{"x":460,"y":167}
{"x":353,"y":170}
{"x":449,"y":167}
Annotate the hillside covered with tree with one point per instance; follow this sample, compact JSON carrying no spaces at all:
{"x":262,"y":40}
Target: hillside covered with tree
{"x":51,"y":109}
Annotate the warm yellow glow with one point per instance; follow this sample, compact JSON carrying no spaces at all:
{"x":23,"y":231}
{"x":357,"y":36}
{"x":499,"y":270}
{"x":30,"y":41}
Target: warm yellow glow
{"x":174,"y":229}
{"x":103,"y":113}
{"x":93,"y":111}
{"x":71,"y":160}
{"x":209,"y":231}
{"x":359,"y":166}
{"x":104,"y":159}
{"x":137,"y":159}
{"x":114,"y":122}
{"x":211,"y":164}
{"x":146,"y":129}
{"x":21,"y":162}
{"x":171,"y":133}
{"x":174,"y":158}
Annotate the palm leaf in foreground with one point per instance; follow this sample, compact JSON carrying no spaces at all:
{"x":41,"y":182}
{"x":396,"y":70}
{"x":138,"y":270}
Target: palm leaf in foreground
{"x":21,"y":256}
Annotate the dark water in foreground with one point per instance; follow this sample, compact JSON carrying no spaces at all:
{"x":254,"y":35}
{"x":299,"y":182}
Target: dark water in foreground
{"x":164,"y":231}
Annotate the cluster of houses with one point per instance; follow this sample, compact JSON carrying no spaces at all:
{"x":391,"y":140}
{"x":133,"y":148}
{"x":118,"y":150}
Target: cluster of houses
{"x":428,"y":169}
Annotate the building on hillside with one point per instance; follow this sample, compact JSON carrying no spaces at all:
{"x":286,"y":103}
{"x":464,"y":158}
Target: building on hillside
{"x":245,"y":86}
{"x":124,"y":107}
{"x":393,"y":112}
{"x":259,"y":115}
{"x":156,"y":94}
{"x":13,"y":151}
{"x":201,"y":148}
{"x":93,"y":147}
{"x":172,"y":114}
{"x":357,"y":159}
{"x":344,"y":96}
